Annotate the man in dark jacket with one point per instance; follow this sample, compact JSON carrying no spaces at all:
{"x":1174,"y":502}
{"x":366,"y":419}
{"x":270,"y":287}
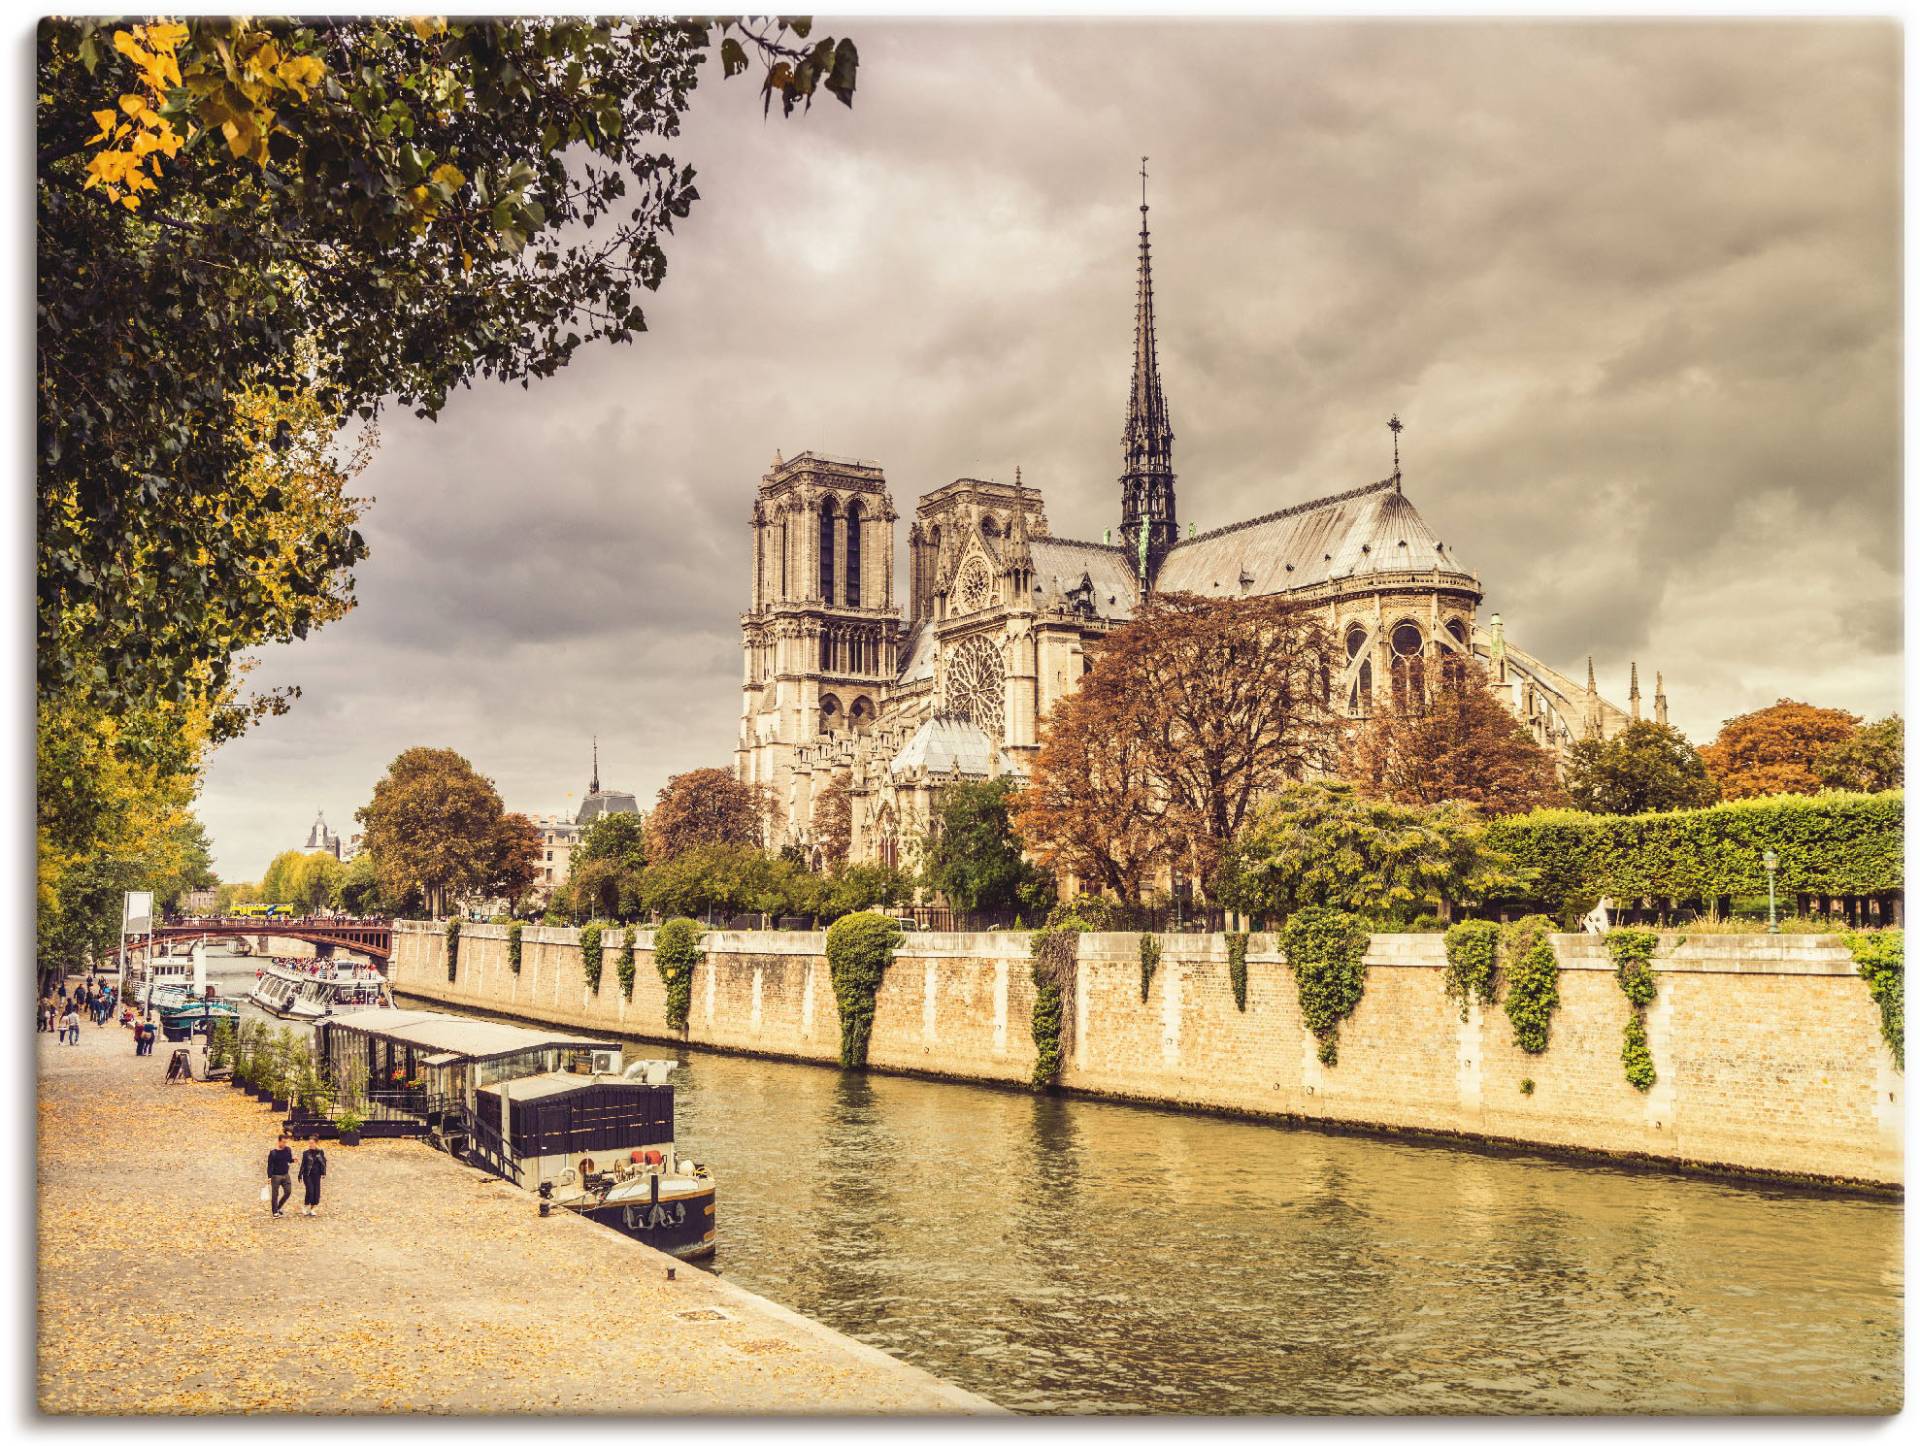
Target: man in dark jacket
{"x":313,"y":1168}
{"x":279,"y":1167}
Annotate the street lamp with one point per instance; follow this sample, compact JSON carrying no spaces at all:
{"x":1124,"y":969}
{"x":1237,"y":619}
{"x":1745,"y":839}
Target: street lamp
{"x":1771,"y":861}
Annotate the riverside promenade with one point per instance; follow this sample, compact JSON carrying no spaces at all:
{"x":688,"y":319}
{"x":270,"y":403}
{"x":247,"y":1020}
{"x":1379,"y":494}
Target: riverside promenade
{"x":166,"y":1288}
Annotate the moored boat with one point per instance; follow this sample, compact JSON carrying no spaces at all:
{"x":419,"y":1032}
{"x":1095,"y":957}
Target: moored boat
{"x":290,"y":992}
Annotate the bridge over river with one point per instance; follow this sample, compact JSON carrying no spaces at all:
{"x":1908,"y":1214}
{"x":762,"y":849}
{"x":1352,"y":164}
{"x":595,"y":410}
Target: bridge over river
{"x":364,"y":936}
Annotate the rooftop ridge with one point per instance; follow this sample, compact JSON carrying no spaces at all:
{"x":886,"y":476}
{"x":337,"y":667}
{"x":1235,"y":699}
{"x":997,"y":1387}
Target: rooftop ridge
{"x":1385,"y":485}
{"x":833,"y":460}
{"x":1113,"y":547}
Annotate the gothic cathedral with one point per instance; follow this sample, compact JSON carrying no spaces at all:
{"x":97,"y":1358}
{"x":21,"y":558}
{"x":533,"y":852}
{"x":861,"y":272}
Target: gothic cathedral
{"x":999,"y":615}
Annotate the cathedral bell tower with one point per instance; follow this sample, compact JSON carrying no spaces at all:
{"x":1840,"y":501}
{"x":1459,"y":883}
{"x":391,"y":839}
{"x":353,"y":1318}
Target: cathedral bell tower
{"x":1149,"y":524}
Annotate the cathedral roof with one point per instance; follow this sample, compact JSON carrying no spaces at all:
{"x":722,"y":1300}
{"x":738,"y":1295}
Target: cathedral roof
{"x":1059,"y":564}
{"x":1371,"y":529}
{"x":919,"y":664}
{"x":949,"y":745}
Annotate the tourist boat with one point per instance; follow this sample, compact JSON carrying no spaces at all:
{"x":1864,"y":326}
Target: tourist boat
{"x":289,"y":992}
{"x":554,"y":1113}
{"x":196,"y":1016}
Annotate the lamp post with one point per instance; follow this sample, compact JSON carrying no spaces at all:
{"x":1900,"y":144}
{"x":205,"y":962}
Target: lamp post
{"x":1771,"y":861}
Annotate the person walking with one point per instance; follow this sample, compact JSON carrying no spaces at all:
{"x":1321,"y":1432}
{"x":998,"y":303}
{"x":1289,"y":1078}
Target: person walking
{"x":313,"y":1169}
{"x":70,"y":1025}
{"x":279,"y":1164}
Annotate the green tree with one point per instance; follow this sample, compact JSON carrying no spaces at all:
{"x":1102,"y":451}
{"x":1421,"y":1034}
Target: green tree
{"x":366,"y":208}
{"x":1322,"y":845}
{"x":1873,"y":760}
{"x":360,"y":888}
{"x":972,"y":855}
{"x":433,"y":828}
{"x":189,"y":865}
{"x":1645,"y":768}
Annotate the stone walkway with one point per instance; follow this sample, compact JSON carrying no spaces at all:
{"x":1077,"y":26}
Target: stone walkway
{"x":166,"y":1288}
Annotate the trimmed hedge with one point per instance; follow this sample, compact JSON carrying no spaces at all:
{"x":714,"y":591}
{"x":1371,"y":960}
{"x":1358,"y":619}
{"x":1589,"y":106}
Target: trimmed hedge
{"x":1829,"y":844}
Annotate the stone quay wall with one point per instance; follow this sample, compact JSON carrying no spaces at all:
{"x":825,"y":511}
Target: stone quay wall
{"x":1768,"y":1048}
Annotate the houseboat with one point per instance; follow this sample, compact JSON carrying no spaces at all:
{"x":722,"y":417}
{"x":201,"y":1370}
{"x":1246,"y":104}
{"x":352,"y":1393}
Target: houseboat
{"x":558,"y":1114}
{"x":290,"y":991}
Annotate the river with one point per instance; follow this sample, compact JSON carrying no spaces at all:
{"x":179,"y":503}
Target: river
{"x":1062,"y":1255}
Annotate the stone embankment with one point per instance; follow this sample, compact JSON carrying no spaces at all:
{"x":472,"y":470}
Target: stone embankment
{"x":424,"y":1286}
{"x":1768,"y":1049}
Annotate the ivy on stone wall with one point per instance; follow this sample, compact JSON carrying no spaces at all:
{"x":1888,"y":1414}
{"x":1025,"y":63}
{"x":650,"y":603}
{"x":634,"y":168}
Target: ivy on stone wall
{"x":859,"y":949}
{"x":1881,"y":958}
{"x":1237,"y":969}
{"x":1828,"y":844}
{"x":1056,"y":960}
{"x":676,"y":949}
{"x":623,"y":962}
{"x":1149,"y":961}
{"x":453,"y":948}
{"x":592,"y":958}
{"x":513,"y":945}
{"x":1327,"y":951}
{"x":1532,"y":974}
{"x":1632,"y":952}
{"x":1472,"y":956}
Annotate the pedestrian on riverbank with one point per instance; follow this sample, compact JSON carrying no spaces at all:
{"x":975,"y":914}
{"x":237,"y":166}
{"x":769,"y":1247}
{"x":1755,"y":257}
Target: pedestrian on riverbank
{"x":70,"y":1026}
{"x":313,"y":1169}
{"x":279,"y":1166}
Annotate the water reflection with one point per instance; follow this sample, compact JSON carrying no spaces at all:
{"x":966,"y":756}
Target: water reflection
{"x":1062,"y":1255}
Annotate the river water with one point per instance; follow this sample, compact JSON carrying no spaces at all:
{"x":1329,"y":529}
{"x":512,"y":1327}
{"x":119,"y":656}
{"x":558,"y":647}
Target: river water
{"x":1073,"y":1255}
{"x":1070,"y":1255}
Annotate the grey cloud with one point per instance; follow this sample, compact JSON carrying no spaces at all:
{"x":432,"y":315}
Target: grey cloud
{"x":1635,"y":288}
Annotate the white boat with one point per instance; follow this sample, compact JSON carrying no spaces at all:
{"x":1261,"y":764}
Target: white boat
{"x":291,"y":992}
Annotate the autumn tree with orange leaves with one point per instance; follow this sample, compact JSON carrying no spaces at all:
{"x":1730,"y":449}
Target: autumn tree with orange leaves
{"x":704,"y":806}
{"x":1188,"y":715}
{"x":1456,"y":746}
{"x":1776,"y":750}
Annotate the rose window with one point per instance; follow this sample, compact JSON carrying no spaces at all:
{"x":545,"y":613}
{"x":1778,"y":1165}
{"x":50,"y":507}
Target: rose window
{"x":977,"y":685}
{"x":974,"y":589}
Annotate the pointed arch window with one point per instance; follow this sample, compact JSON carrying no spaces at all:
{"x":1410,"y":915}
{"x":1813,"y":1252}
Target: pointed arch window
{"x":827,"y":518}
{"x":1409,"y":664}
{"x":856,"y":514}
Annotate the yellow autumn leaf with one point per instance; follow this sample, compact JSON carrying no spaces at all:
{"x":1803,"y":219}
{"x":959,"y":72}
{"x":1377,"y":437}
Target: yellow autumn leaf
{"x":448,"y":175}
{"x":105,"y":120}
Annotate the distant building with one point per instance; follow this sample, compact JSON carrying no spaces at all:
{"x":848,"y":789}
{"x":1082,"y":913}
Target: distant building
{"x":559,"y":834}
{"x":199,"y":901}
{"x":321,"y":839}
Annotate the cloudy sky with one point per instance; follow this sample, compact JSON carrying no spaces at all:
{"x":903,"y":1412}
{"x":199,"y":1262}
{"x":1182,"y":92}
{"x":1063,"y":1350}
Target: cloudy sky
{"x":1633,"y":288}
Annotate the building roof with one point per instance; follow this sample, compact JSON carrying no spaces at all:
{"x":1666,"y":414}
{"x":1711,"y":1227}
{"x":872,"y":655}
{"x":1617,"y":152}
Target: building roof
{"x":944,"y":744}
{"x":1372,"y":529}
{"x":1060,"y":565}
{"x":556,"y":1082}
{"x":454,"y":1034}
{"x":606,"y":800}
{"x":919,"y":664}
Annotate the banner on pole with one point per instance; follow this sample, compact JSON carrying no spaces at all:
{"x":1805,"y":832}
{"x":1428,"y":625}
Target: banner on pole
{"x":139,"y":915}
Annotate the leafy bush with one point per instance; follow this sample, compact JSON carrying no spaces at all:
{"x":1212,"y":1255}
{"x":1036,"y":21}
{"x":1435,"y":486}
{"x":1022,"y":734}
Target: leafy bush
{"x":220,"y":1046}
{"x":1832,"y":843}
{"x":513,"y":945}
{"x":1322,"y":845}
{"x":453,"y":948}
{"x":1880,"y":959}
{"x":1056,"y":959}
{"x":859,"y":949}
{"x":1327,"y":951}
{"x":592,"y":956}
{"x":1149,"y":961}
{"x":1635,"y":1055}
{"x":676,"y":949}
{"x":1472,"y":963}
{"x":1532,"y":972}
{"x":1632,"y":951}
{"x":1089,"y":914}
{"x":1237,"y":969}
{"x":624,"y":964}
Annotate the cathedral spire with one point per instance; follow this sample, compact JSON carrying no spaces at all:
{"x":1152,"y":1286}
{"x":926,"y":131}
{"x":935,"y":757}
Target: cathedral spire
{"x":594,"y":787}
{"x":1633,"y":689}
{"x":1146,"y":485}
{"x":1019,"y":556}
